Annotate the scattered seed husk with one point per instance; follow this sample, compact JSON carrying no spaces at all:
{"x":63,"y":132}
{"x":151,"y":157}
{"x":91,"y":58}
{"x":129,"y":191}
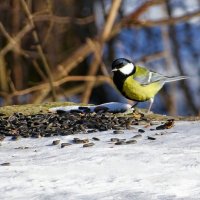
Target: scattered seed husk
{"x":114,"y":139}
{"x":5,"y":164}
{"x":137,"y":136}
{"x":56,"y":142}
{"x":65,"y":144}
{"x":131,"y":141}
{"x":88,"y":144}
{"x":120,"y":143}
{"x":118,"y":132}
{"x":22,"y":147}
{"x":80,"y":141}
{"x":151,"y":138}
{"x":167,"y":125}
{"x":141,"y":130}
{"x":77,"y":141}
{"x":96,"y":139}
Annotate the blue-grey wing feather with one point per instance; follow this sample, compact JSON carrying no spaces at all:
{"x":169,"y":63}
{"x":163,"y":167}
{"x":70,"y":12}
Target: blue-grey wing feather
{"x":150,"y":77}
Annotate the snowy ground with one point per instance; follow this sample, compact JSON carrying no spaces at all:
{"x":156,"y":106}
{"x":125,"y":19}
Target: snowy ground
{"x":165,"y":168}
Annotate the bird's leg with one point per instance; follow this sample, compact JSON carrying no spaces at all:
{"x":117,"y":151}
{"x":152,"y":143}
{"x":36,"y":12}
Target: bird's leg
{"x":150,"y":105}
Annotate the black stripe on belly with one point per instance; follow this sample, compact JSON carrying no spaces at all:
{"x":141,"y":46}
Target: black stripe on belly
{"x":118,"y":80}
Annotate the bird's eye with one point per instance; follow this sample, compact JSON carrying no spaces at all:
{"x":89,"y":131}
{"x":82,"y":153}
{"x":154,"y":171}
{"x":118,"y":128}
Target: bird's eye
{"x":119,"y":65}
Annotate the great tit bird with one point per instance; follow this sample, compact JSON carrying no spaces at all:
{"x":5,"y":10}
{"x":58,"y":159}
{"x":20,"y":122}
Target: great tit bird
{"x":138,"y":83}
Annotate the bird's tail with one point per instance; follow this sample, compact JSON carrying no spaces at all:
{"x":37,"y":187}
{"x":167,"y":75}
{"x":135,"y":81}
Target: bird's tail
{"x":175,"y":78}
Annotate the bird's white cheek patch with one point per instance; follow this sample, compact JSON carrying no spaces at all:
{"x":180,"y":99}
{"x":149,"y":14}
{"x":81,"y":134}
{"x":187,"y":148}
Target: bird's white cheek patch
{"x":127,"y":69}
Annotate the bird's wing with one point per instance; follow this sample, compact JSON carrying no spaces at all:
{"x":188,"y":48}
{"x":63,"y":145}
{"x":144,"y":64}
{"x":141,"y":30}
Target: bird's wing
{"x":145,"y":77}
{"x":154,"y":77}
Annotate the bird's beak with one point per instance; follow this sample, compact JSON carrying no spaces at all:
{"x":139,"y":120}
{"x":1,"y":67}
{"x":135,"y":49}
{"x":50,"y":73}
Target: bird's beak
{"x":114,"y":70}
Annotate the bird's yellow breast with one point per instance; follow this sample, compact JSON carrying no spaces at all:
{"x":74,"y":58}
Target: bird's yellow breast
{"x":135,"y":91}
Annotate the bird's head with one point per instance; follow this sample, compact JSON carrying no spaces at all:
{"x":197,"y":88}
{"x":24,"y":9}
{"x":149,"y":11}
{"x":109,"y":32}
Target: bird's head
{"x":123,"y":66}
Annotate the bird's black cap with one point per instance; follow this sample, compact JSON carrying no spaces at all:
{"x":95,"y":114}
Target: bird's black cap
{"x":120,"y":62}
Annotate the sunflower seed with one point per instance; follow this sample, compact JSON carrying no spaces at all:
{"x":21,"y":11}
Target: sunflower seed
{"x":131,"y":142}
{"x":114,"y":139}
{"x":88,"y":144}
{"x":65,"y":145}
{"x":95,"y":138}
{"x":141,"y":130}
{"x":56,"y":142}
{"x":118,"y":132}
{"x":137,"y":136}
{"x":151,"y":138}
{"x":120,"y":143}
{"x":5,"y":164}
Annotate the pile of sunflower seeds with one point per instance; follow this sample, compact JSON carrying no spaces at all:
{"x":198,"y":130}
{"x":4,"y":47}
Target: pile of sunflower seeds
{"x":64,"y":123}
{"x":53,"y":124}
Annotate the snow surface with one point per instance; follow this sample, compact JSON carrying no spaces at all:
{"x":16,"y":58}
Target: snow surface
{"x":115,"y":107}
{"x":165,"y":168}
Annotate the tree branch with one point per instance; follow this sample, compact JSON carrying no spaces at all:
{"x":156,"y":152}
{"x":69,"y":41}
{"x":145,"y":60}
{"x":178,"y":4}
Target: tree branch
{"x":15,"y":40}
{"x":62,"y":81}
{"x":63,"y":20}
{"x":164,"y":22}
{"x":39,"y":48}
{"x":99,"y":46}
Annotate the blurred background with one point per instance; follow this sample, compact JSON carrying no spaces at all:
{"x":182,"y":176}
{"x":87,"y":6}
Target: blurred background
{"x":62,"y":50}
